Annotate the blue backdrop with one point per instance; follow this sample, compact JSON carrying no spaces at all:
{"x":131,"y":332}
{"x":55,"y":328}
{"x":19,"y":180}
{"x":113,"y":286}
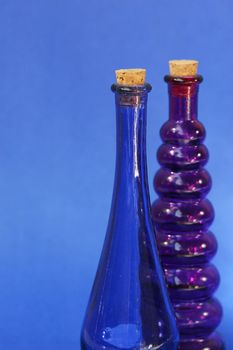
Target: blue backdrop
{"x":57,"y":144}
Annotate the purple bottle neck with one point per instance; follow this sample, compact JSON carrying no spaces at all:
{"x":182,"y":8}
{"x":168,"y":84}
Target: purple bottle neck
{"x":183,"y":97}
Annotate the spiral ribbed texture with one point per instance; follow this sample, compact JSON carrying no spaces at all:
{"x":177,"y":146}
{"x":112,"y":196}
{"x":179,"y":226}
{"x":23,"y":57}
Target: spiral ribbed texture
{"x":182,"y":217}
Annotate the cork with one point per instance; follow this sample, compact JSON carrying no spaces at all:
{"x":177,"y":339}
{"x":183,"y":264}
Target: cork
{"x":130,"y":77}
{"x":182,"y":68}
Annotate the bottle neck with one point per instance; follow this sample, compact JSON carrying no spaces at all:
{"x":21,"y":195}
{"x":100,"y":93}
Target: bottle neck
{"x":131,"y":168}
{"x":183,"y":97}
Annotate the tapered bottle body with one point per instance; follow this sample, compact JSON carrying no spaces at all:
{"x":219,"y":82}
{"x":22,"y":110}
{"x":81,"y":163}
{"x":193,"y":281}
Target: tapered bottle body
{"x":182,"y":216}
{"x":129,"y":306}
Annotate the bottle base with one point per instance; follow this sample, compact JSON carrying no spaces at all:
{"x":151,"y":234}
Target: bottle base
{"x":170,"y":345}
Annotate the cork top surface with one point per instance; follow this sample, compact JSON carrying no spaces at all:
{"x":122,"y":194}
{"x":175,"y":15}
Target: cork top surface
{"x":182,"y":68}
{"x":131,"y":77}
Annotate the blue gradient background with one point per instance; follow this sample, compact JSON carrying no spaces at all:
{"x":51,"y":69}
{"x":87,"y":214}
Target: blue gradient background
{"x":57,"y":145}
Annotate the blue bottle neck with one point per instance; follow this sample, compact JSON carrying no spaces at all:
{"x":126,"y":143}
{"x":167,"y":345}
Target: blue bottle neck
{"x":131,"y":168}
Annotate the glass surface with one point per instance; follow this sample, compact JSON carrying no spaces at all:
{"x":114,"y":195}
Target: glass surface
{"x":129,"y":306}
{"x":182,"y":216}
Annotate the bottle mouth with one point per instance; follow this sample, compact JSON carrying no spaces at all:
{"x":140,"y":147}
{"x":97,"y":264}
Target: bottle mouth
{"x":131,"y":89}
{"x":187,"y":80}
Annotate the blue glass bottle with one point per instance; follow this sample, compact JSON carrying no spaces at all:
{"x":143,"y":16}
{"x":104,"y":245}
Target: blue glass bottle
{"x":129,"y":307}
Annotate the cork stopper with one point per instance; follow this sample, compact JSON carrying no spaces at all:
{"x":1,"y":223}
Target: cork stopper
{"x":182,"y":68}
{"x":131,"y":76}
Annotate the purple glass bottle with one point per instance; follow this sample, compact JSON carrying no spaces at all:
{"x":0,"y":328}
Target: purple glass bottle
{"x":182,"y":216}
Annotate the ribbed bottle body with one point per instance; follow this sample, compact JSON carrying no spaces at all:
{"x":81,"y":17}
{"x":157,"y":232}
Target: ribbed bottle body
{"x":182,"y":216}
